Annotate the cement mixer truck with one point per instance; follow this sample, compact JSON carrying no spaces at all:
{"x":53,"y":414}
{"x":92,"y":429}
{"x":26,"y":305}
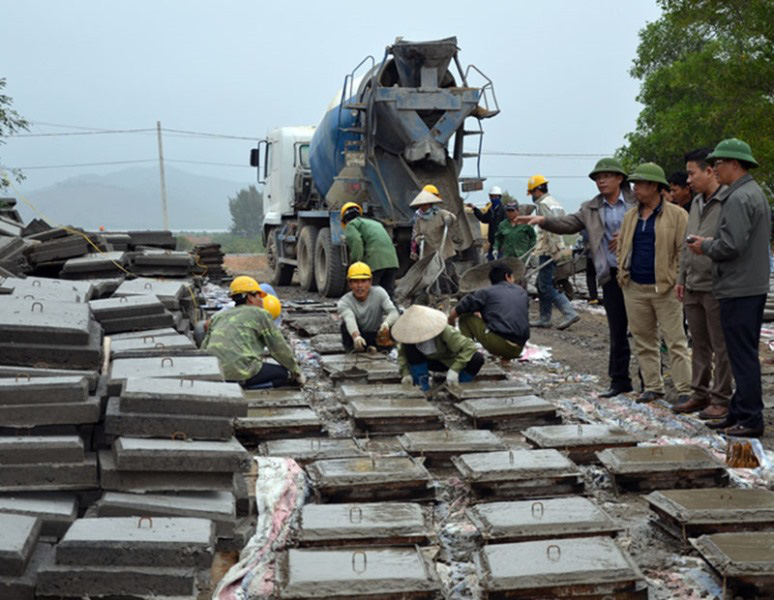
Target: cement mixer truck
{"x":395,"y":126}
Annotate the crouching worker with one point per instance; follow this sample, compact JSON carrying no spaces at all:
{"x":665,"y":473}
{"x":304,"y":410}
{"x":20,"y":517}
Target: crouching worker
{"x":366,"y":312}
{"x":429,"y":343}
{"x":240,"y":336}
{"x":503,"y":327}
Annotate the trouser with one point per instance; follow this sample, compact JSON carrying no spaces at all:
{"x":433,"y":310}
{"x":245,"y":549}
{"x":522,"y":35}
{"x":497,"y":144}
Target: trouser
{"x":549,"y":295}
{"x":420,"y":366}
{"x":386,"y":279}
{"x":591,"y":279}
{"x":742,"y":319}
{"x":269,"y":376}
{"x":369,"y":336}
{"x":617,"y":325}
{"x":650,"y":312}
{"x":474,"y":327}
{"x":704,"y":323}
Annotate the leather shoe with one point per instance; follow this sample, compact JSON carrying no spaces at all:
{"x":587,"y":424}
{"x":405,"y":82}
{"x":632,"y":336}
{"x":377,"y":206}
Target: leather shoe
{"x":713,"y":412}
{"x":724,"y":424}
{"x":745,"y":432}
{"x":540,"y":324}
{"x":689,"y":404}
{"x":649,"y":396}
{"x":615,"y":391}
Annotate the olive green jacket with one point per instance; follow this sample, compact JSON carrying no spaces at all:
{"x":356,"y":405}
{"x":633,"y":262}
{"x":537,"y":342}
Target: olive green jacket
{"x":369,"y":242}
{"x":514,"y":240}
{"x":451,"y":348}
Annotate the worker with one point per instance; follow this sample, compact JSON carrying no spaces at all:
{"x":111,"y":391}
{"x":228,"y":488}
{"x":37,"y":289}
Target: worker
{"x":366,"y":312}
{"x":240,"y":336}
{"x":511,"y":238}
{"x":428,"y":343}
{"x":430,"y":222}
{"x":369,"y":242}
{"x":493,"y":214}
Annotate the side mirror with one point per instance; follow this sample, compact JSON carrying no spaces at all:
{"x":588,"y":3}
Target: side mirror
{"x":255,"y":157}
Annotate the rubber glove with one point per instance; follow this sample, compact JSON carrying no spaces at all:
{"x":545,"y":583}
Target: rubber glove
{"x":452,"y":377}
{"x":359,"y":343}
{"x":301,"y":379}
{"x":407,"y":380}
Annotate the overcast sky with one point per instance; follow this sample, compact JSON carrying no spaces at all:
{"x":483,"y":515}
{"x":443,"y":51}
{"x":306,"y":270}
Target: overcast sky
{"x":240,"y":68}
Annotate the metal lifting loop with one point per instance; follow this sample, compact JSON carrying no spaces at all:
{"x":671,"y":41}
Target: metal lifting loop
{"x":147,"y":338}
{"x":179,"y":435}
{"x":34,"y":304}
{"x":159,"y":345}
{"x":355,"y":514}
{"x":146,"y":518}
{"x":511,"y":457}
{"x":27,"y":375}
{"x":184,"y":379}
{"x":169,"y":358}
{"x":148,"y":285}
{"x":355,"y":568}
{"x":537,"y":510}
{"x":36,"y":283}
{"x":657,"y":450}
{"x":315,"y":444}
{"x":580,"y":430}
{"x":555,"y":555}
{"x":122,"y":299}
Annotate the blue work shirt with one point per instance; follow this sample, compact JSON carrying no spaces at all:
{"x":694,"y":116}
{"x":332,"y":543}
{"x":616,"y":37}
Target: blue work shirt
{"x":643,"y":269}
{"x":612,"y":217}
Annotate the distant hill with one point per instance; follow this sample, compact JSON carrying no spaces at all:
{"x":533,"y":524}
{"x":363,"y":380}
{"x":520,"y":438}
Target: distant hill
{"x":130,"y":199}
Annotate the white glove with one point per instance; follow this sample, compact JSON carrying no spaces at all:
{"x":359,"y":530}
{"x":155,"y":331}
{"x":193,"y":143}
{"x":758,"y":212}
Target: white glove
{"x":359,"y":343}
{"x":384,"y":328}
{"x":452,"y":377}
{"x":448,"y":220}
{"x":301,"y":379}
{"x":407,"y":380}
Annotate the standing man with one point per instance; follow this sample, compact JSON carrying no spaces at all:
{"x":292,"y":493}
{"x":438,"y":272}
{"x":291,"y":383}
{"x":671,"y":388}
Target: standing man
{"x":369,"y":242}
{"x":366,"y":312}
{"x":694,"y":289}
{"x":548,"y":249}
{"x":430,"y":222}
{"x":512,"y":238}
{"x":601,"y":217}
{"x":493,"y":214}
{"x":680,"y":190}
{"x":652,"y":236}
{"x":740,"y":253}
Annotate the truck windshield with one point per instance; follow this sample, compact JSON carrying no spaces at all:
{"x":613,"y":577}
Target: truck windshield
{"x":303,"y":155}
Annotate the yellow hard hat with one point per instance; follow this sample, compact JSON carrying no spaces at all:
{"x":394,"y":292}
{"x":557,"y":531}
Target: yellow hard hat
{"x":535,"y":181}
{"x":359,"y":270}
{"x":245,"y":285}
{"x":432,"y":189}
{"x":346,"y":207}
{"x":273,"y":305}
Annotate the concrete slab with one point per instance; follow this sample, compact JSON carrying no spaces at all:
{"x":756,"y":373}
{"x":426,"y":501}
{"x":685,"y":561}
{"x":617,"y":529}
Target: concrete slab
{"x":374,"y":478}
{"x":104,"y":261}
{"x":392,"y":415}
{"x":30,"y":390}
{"x":383,"y":391}
{"x":22,"y":416}
{"x":745,"y":561}
{"x":55,"y":510}
{"x":327,"y":343}
{"x":150,"y":425}
{"x":126,"y":306}
{"x":663,"y":467}
{"x":398,"y":573}
{"x":274,"y":398}
{"x":276,"y":423}
{"x":371,"y":524}
{"x":169,"y":292}
{"x":486,"y":389}
{"x":243,"y":531}
{"x":141,"y":482}
{"x":204,"y":368}
{"x":23,"y":587}
{"x":517,"y":412}
{"x":218,"y":507}
{"x":20,"y":534}
{"x":520,"y":474}
{"x":183,"y":396}
{"x":384,"y":445}
{"x":357,"y":365}
{"x":594,"y":567}
{"x":580,"y":442}
{"x":150,"y":346}
{"x":309,"y":326}
{"x":437,"y":447}
{"x":691,"y":513}
{"x":306,"y":450}
{"x":151,"y":334}
{"x":141,"y":322}
{"x":50,"y":477}
{"x":35,"y":321}
{"x":138,"y":454}
{"x":24,"y":450}
{"x":47,"y":295}
{"x":142,"y":542}
{"x":522,"y":521}
{"x":20,"y":374}
{"x":51,"y":354}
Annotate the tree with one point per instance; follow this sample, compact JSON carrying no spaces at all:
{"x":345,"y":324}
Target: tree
{"x":246,"y":212}
{"x":10,"y":123}
{"x":707,"y":71}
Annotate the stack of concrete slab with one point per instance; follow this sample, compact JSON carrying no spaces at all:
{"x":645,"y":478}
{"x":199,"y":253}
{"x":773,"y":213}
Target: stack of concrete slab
{"x":177,"y":296}
{"x":152,"y":239}
{"x":149,"y":345}
{"x":130,"y":313}
{"x":95,"y":266}
{"x":12,"y":259}
{"x":204,"y":368}
{"x":130,"y":557}
{"x":161,"y":263}
{"x":271,"y":423}
{"x":56,"y":334}
{"x":45,"y":288}
{"x":57,"y":250}
{"x":21,"y":556}
{"x":55,"y":510}
{"x":209,"y":261}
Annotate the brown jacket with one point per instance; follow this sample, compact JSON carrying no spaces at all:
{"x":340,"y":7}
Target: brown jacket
{"x":696,"y":269}
{"x":670,"y":238}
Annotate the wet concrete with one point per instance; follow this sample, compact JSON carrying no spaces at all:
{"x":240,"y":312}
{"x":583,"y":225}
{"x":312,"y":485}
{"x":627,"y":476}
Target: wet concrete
{"x":382,"y":391}
{"x":437,"y":447}
{"x":745,"y":561}
{"x":306,"y":450}
{"x":393,"y":415}
{"x":19,"y":535}
{"x":517,"y":412}
{"x":47,"y":390}
{"x":275,"y":398}
{"x":581,"y":442}
{"x":55,"y":510}
{"x":327,"y":343}
{"x":277,"y":422}
{"x":486,"y":389}
{"x":22,"y":587}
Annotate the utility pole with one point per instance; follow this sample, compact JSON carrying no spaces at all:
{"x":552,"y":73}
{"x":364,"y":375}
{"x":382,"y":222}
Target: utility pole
{"x":164,"y":212}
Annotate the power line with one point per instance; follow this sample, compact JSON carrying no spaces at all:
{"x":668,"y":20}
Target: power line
{"x":93,"y":164}
{"x":545,"y":154}
{"x":211,"y":135}
{"x":72,"y":133}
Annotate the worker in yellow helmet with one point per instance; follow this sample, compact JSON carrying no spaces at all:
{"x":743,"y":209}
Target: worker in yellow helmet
{"x":240,"y":337}
{"x":366,"y":312}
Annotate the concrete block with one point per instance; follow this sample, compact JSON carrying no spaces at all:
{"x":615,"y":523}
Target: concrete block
{"x":47,"y":296}
{"x":139,"y":322}
{"x":19,"y":535}
{"x":23,"y":587}
{"x":199,"y":368}
{"x":52,"y":354}
{"x":23,"y":416}
{"x":50,"y":477}
{"x":93,"y":263}
{"x":393,"y":415}
{"x":306,"y":450}
{"x":21,"y":450}
{"x":150,"y":346}
{"x":21,"y":286}
{"x":744,"y":560}
{"x":581,"y":442}
{"x":517,"y":412}
{"x":35,"y":322}
{"x":55,"y":510}
{"x":272,"y":423}
{"x":382,"y":391}
{"x":244,"y":493}
{"x":243,"y":531}
{"x":275,"y":397}
{"x":487,"y":389}
{"x":145,"y":333}
{"x":137,"y":454}
{"x":20,"y":374}
{"x":169,"y":292}
{"x":132,"y":306}
{"x":131,"y":424}
{"x":171,"y":396}
{"x":46,"y":390}
{"x":437,"y":447}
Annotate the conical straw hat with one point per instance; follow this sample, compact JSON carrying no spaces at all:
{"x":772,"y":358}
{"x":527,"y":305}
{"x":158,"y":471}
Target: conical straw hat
{"x":424,"y":197}
{"x":418,"y":324}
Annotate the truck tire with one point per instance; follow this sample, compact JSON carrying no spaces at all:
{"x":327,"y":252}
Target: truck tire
{"x":306,"y":251}
{"x":282,"y":274}
{"x":330,"y":271}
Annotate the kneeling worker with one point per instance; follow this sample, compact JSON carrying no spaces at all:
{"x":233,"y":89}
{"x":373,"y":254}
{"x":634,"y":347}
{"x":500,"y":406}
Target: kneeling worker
{"x":429,"y":343}
{"x":240,"y":336}
{"x":366,"y":312}
{"x":503,"y":327}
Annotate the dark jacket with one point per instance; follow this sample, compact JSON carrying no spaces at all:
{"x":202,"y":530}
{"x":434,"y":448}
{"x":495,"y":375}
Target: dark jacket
{"x":493,"y":215}
{"x":696,"y":269}
{"x":504,"y":308}
{"x":740,"y":249}
{"x":369,"y":242}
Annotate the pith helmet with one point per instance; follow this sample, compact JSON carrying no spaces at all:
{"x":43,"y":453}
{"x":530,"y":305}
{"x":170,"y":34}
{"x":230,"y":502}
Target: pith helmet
{"x":733,"y":148}
{"x":425,"y":197}
{"x":649,"y":172}
{"x":607,"y":165}
{"x":244,"y":285}
{"x":418,"y":324}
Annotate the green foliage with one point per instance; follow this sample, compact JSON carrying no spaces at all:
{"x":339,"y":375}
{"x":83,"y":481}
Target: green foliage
{"x":10,"y":123}
{"x":707,"y":71}
{"x":246,"y":212}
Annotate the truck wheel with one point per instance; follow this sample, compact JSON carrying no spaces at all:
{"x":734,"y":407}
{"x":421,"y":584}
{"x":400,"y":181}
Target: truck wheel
{"x":306,"y":245}
{"x":330,"y":271}
{"x":282,"y":274}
